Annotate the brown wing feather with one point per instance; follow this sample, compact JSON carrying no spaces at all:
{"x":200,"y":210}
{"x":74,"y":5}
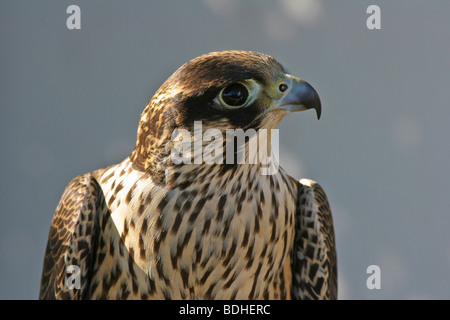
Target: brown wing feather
{"x":72,"y":239}
{"x":314,"y":262}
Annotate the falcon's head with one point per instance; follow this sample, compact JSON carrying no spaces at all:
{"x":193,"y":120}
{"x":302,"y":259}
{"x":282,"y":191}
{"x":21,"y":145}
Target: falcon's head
{"x":223,"y":90}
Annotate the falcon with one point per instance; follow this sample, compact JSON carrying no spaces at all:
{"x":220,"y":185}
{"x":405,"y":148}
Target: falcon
{"x":154,"y":228}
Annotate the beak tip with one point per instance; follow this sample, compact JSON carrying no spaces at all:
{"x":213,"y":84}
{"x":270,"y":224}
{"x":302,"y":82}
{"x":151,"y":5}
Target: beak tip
{"x":309,"y":97}
{"x":318,"y":111}
{"x":302,"y":97}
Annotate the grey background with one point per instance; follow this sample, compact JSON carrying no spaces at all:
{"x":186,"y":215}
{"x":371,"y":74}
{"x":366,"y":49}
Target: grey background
{"x":70,"y":102}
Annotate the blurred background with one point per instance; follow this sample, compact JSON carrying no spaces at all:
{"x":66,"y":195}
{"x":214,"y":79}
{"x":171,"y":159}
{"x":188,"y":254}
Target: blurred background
{"x":70,"y":103}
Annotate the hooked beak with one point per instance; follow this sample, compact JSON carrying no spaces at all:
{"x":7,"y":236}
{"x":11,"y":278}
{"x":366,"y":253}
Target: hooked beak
{"x":301,"y":96}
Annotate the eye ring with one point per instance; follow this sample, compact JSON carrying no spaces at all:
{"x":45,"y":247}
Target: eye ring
{"x":283,"y":87}
{"x":234,"y":95}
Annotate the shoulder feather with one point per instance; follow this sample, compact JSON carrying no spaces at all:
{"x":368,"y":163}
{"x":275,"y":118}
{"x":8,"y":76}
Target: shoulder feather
{"x":72,"y":239}
{"x":314,"y":262}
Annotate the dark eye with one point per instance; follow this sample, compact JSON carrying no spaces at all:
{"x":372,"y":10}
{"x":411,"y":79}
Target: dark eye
{"x":235,"y":95}
{"x":283,"y":87}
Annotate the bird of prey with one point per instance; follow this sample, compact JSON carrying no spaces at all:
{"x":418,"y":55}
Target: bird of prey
{"x":153,"y":228}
